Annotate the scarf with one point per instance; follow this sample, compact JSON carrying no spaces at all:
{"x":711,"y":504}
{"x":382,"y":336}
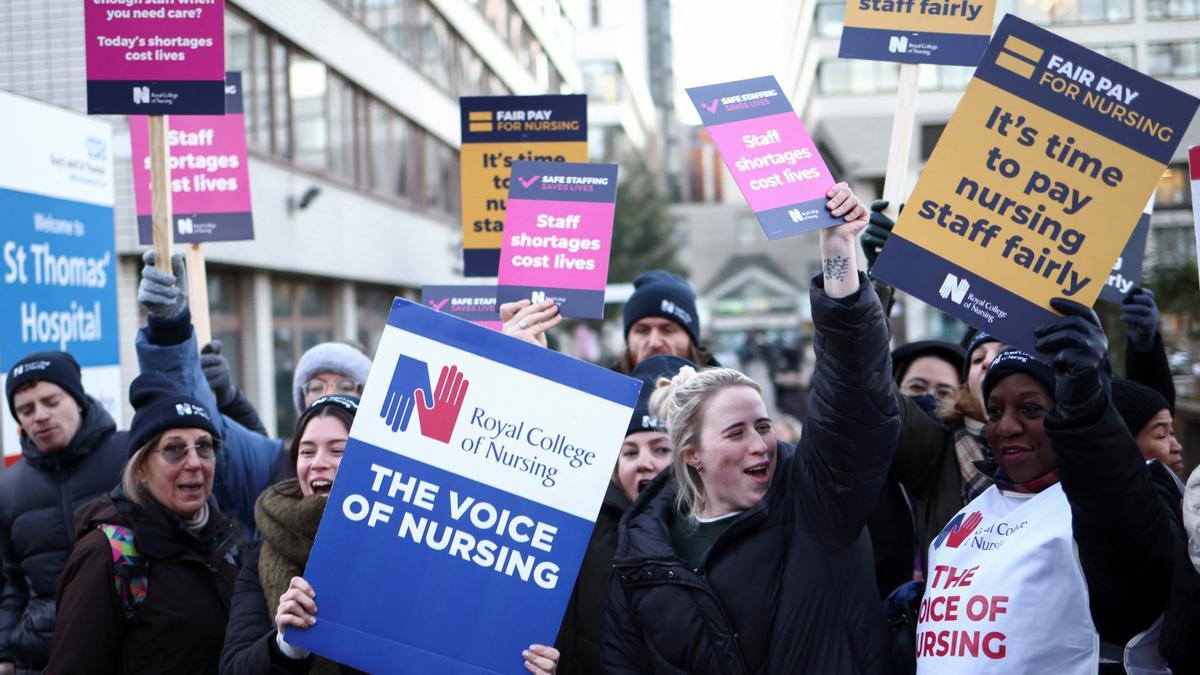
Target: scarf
{"x":288,"y":522}
{"x":969,"y":448}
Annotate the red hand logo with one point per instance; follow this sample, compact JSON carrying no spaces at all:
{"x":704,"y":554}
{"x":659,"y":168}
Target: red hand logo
{"x":958,"y":534}
{"x":438,"y":420}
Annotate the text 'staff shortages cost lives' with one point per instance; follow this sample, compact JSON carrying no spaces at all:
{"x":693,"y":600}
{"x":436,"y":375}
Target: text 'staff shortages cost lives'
{"x":160,"y":58}
{"x":58,"y":265}
{"x":210,"y":175}
{"x":946,"y":32}
{"x":472,"y":302}
{"x":500,"y":130}
{"x":469,"y":489}
{"x":1036,"y":183}
{"x":769,"y":152}
{"x":559,"y":236}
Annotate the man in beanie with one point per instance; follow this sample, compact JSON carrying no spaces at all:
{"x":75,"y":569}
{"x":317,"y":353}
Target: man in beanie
{"x":660,"y":318}
{"x":1150,"y":418}
{"x":71,"y":453}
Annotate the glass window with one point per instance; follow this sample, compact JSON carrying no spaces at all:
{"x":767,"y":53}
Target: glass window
{"x":1174,"y":189}
{"x":308,"y":83}
{"x":1077,"y":11}
{"x":1172,"y":9}
{"x":438,"y":165}
{"x":829,"y":18}
{"x":602,"y":80}
{"x":1123,"y":54}
{"x":303,"y":318}
{"x":341,"y":127}
{"x":1174,"y":59}
{"x":225,"y":316}
{"x":281,"y":139}
{"x":373,"y":304}
{"x":944,"y":78}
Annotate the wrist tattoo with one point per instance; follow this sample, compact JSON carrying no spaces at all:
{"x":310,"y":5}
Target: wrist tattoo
{"x":835,"y":268}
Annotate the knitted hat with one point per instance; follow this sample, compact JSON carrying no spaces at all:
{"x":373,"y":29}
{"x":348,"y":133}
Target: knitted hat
{"x":55,"y":367}
{"x":347,"y":403}
{"x":980,"y":338}
{"x":329,"y":357}
{"x":648,"y":371}
{"x":662,"y":294}
{"x":904,"y":355}
{"x":1012,"y":361}
{"x":1137,"y":404}
{"x":160,"y":404}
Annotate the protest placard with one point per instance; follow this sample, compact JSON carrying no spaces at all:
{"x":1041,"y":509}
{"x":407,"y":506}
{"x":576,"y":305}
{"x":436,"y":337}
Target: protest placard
{"x":500,"y":130}
{"x":558,"y":236}
{"x":1194,"y":163}
{"x":474,"y":303}
{"x":165,"y":57}
{"x":465,"y":499}
{"x":946,"y":32}
{"x":1035,"y":185}
{"x":770,"y":154}
{"x":1127,"y":271}
{"x":210,"y":174}
{"x":59,"y":289}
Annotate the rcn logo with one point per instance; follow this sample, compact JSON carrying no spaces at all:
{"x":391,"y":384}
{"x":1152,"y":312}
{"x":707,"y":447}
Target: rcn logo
{"x":957,"y":530}
{"x":409,"y":389}
{"x":141,"y":94}
{"x":185,"y":409}
{"x":898,"y":44}
{"x":185,"y":226}
{"x":954,"y":289}
{"x":536,"y":297}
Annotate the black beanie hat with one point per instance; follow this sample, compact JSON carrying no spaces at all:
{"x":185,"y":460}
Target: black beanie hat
{"x":1012,"y":361}
{"x":343,"y":401}
{"x":904,"y":355}
{"x":648,"y":371}
{"x":55,"y":367}
{"x":662,"y":294}
{"x":1137,"y":404}
{"x":980,"y":338}
{"x":159,"y":404}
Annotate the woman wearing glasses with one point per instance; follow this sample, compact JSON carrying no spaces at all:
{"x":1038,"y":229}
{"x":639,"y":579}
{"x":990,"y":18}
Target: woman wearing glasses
{"x":147,"y":587}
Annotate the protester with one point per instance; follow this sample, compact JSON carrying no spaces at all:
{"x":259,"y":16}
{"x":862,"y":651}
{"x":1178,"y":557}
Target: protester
{"x":147,"y":587}
{"x":750,"y":556}
{"x":270,"y":583}
{"x":1150,"y":419}
{"x":645,"y":452}
{"x":1076,"y":538}
{"x":1145,"y":354}
{"x":329,"y":368}
{"x":167,"y":344}
{"x":71,"y":453}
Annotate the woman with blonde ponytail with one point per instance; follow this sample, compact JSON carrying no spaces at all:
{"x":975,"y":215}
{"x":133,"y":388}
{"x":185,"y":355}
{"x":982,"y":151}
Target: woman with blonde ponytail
{"x":750,"y":556}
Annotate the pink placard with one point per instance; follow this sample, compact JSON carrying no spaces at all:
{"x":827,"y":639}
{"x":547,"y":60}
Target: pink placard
{"x":773,"y":160}
{"x":163,"y":40}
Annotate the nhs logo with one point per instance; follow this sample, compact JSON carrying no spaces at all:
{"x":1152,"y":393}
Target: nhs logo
{"x":954,"y":289}
{"x":898,"y":44}
{"x":141,"y":94}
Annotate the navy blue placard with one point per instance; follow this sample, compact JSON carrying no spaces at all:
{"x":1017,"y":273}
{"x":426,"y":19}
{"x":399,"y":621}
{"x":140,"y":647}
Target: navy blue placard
{"x":876,"y":44}
{"x":571,"y":301}
{"x":566,"y":122}
{"x":564,"y":181}
{"x":201,"y":227}
{"x":741,"y":100}
{"x":475,"y":302}
{"x":156,"y":97}
{"x":793,"y":219}
{"x":1127,"y":272}
{"x":1160,"y":113}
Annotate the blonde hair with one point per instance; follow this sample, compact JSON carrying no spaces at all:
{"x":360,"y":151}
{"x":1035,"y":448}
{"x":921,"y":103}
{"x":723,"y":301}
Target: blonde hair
{"x":680,"y":401}
{"x":131,"y":485}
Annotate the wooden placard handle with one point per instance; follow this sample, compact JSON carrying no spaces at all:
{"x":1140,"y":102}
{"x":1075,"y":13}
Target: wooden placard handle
{"x":895,"y":181}
{"x":198,"y":294}
{"x":160,"y":193}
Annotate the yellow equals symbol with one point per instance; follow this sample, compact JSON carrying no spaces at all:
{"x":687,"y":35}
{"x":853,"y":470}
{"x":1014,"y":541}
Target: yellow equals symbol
{"x":1019,"y":56}
{"x":479,"y":120}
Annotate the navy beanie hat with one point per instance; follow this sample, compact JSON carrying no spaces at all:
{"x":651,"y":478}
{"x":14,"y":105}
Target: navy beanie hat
{"x":661,"y":294}
{"x":1137,"y":404}
{"x":55,"y":367}
{"x":159,"y":405}
{"x":1012,"y":361}
{"x":648,"y":371}
{"x":980,"y":338}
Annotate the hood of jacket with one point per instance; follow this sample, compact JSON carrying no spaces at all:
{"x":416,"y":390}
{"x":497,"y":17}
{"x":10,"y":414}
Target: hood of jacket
{"x":95,"y":426}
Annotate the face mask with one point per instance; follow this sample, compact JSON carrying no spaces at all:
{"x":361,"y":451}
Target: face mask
{"x":927,"y":403}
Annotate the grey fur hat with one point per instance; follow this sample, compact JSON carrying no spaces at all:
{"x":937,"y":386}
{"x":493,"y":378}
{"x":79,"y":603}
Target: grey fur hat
{"x":328,"y":357}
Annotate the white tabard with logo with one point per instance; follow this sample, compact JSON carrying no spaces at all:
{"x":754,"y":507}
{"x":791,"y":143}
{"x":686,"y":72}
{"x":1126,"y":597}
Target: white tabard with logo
{"x":1005,"y":592}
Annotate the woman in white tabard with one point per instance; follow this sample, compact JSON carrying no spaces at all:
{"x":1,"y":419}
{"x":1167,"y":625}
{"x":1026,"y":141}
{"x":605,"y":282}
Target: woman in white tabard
{"x":1064,"y":565}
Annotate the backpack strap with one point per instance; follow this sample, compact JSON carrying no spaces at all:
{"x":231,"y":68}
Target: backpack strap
{"x":131,"y":571}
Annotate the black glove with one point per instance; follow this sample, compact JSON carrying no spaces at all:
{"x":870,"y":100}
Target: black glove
{"x":1139,"y":313}
{"x":1080,"y":351}
{"x":216,"y":371}
{"x":879,"y":228}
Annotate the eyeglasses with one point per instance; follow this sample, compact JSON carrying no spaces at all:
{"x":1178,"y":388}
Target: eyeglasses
{"x":175,"y":453}
{"x":321,"y":387}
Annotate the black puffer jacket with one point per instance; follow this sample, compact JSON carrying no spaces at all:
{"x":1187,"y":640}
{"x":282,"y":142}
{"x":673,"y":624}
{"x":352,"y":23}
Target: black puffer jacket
{"x":583,"y":623}
{"x":38,"y":497}
{"x":789,"y":587}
